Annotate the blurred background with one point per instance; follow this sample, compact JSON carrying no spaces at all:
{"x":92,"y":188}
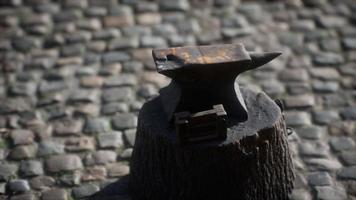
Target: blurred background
{"x":75,"y":73}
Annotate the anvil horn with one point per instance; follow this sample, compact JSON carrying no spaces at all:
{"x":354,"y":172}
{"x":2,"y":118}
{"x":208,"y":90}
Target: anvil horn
{"x":260,"y":58}
{"x":203,"y":76}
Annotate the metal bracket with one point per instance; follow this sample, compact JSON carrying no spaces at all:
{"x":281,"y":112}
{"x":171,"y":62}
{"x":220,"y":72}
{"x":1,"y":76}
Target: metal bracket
{"x":202,"y":126}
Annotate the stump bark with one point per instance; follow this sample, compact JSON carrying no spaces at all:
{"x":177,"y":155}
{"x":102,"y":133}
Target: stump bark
{"x":253,"y":163}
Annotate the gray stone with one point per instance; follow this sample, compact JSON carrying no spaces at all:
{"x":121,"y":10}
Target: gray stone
{"x":136,"y":31}
{"x":349,"y":43}
{"x":124,"y":121}
{"x":300,"y":194}
{"x":335,"y":100}
{"x":326,"y":73}
{"x":117,"y":94}
{"x":135,"y":106}
{"x":146,"y":7}
{"x":93,"y":58}
{"x":80,"y":144}
{"x":290,"y":39}
{"x":297,"y":118}
{"x":320,"y":179}
{"x":328,"y":59}
{"x":298,"y":88}
{"x":110,"y":69}
{"x":132,"y":67}
{"x":323,"y":164}
{"x":70,"y":180}
{"x":25,"y":44}
{"x":330,"y":193}
{"x":300,"y":101}
{"x":152,"y":41}
{"x":90,"y":24}
{"x":113,"y":108}
{"x":84,"y":96}
{"x":56,"y":193}
{"x":342,"y":143}
{"x":119,"y":16}
{"x":72,"y":50}
{"x":348,"y":157}
{"x":115,"y":56}
{"x":22,"y":136}
{"x":331,"y":21}
{"x":7,"y":171}
{"x":342,"y":128}
{"x":67,"y":126}
{"x":147,"y":91}
{"x":180,"y":40}
{"x":96,"y":125}
{"x":311,"y":132}
{"x":208,"y":37}
{"x":106,"y":34}
{"x":110,"y":140}
{"x":117,"y":169}
{"x":15,"y":105}
{"x":66,"y":16}
{"x":294,"y":75}
{"x":23,"y":89}
{"x":348,"y":69}
{"x":46,"y":87}
{"x":130,"y":136}
{"x":315,"y":3}
{"x":25,"y":196}
{"x":325,"y":117}
{"x":254,"y":12}
{"x":325,"y":86}
{"x":67,"y":162}
{"x":2,"y":188}
{"x":300,"y":182}
{"x":94,"y":173}
{"x":348,"y":173}
{"x":313,"y":149}
{"x":126,"y":154}
{"x":226,"y":3}
{"x":50,"y":147}
{"x":104,"y":156}
{"x":31,"y":168}
{"x":121,"y":80}
{"x":94,"y":11}
{"x":174,"y":5}
{"x":78,"y":37}
{"x":349,"y":113}
{"x":19,"y":186}
{"x":124,"y":43}
{"x":84,"y":190}
{"x":164,"y":30}
{"x":23,"y":152}
{"x":331,"y":45}
{"x":236,"y":32}
{"x":42,"y":182}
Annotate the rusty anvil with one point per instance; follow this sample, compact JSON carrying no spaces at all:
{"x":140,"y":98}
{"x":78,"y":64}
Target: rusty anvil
{"x":203,"y":76}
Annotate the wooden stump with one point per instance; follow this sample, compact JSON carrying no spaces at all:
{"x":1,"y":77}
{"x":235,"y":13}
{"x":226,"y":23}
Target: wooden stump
{"x":253,"y":163}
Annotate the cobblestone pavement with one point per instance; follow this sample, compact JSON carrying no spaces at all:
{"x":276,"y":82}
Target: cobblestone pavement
{"x":76,"y":72}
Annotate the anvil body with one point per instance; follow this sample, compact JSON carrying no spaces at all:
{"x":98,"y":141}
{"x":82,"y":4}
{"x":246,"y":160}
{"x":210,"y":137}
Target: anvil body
{"x":203,"y":76}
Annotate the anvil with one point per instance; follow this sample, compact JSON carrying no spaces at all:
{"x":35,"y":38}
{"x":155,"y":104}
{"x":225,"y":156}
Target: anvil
{"x":203,"y":76}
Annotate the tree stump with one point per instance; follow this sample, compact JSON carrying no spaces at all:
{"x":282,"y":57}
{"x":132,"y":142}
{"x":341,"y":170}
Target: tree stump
{"x":253,"y":163}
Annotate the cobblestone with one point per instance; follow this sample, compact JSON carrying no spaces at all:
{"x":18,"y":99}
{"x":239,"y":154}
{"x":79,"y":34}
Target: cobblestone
{"x":68,"y":162}
{"x":78,"y":72}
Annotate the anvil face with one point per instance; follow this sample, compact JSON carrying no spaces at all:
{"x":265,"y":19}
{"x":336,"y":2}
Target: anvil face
{"x":204,"y":76}
{"x":201,"y":62}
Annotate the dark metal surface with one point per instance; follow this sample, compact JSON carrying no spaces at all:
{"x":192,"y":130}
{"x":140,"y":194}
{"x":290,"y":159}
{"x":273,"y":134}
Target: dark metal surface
{"x":203,"y":76}
{"x":202,"y":126}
